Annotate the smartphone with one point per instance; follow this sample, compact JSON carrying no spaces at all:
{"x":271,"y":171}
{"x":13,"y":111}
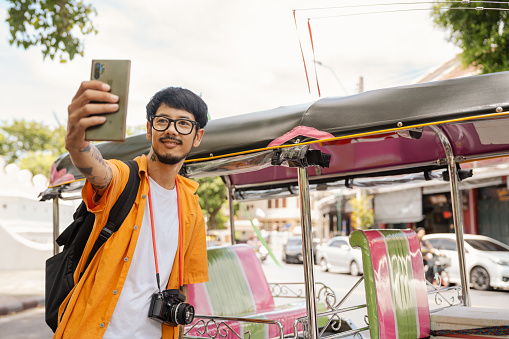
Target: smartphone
{"x":115,"y":73}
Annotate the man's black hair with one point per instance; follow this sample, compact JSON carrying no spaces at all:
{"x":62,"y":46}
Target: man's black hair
{"x":179,"y":98}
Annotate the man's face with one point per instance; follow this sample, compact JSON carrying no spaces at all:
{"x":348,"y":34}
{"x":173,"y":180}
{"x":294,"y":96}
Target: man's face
{"x":169,"y":146}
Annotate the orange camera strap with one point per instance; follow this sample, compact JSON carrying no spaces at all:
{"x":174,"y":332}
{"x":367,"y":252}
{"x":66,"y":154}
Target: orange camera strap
{"x":179,"y":239}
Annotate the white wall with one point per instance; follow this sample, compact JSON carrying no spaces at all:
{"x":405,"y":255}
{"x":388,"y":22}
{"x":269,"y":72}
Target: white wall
{"x":26,"y":224}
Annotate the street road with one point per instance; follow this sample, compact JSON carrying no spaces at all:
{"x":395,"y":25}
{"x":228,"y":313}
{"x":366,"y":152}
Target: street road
{"x":30,"y":324}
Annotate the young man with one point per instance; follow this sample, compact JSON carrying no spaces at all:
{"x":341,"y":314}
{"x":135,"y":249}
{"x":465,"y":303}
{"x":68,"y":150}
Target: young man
{"x":113,"y":296}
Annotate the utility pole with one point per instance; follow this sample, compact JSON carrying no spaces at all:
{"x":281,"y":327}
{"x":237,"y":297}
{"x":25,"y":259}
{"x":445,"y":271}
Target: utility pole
{"x":361,"y":84}
{"x":333,"y":73}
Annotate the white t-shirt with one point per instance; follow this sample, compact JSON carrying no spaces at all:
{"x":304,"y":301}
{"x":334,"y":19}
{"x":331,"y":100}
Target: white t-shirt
{"x":130,"y":317}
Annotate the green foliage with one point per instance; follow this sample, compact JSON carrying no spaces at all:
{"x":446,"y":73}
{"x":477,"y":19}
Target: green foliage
{"x":134,"y":130}
{"x":55,"y":25}
{"x":37,"y":163}
{"x":363,"y":215}
{"x":212,"y":193}
{"x":482,"y":34}
{"x":30,"y":144}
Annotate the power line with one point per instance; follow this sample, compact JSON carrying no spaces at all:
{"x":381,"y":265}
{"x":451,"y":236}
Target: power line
{"x":401,"y":4}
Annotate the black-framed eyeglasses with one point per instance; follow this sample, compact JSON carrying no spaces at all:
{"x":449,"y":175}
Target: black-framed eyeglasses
{"x":182,"y":126}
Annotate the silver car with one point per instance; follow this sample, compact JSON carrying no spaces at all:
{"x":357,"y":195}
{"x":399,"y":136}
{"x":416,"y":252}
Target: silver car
{"x":487,"y":260}
{"x":337,"y":255}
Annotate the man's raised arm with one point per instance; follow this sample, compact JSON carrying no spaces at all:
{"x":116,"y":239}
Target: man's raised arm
{"x":91,"y":99}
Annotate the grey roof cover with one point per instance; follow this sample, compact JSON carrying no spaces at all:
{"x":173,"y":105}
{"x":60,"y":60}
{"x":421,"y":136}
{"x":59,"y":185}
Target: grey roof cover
{"x":372,"y":112}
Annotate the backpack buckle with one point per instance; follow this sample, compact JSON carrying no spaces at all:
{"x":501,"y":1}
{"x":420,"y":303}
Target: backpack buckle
{"x":107,"y":231}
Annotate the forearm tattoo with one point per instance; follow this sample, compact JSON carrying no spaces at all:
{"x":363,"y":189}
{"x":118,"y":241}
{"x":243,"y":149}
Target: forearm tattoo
{"x":86,"y":149}
{"x":88,"y":172}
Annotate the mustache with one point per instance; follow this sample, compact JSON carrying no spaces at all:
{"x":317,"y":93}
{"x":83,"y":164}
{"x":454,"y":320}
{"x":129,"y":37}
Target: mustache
{"x":172,"y":139}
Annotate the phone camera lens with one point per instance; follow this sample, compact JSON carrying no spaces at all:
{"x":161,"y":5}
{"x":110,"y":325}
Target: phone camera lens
{"x":98,"y":70}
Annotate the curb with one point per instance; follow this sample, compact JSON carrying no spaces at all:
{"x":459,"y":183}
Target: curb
{"x":10,"y":305}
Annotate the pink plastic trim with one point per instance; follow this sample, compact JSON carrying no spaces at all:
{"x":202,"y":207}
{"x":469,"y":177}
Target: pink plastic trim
{"x":59,"y":177}
{"x":300,"y":130}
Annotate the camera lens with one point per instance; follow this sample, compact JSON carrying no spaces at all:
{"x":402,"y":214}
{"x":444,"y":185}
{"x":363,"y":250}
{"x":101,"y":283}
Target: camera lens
{"x":98,"y":70}
{"x":185,"y":314}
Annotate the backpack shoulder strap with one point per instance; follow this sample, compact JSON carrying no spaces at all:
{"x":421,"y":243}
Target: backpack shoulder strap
{"x":119,"y":211}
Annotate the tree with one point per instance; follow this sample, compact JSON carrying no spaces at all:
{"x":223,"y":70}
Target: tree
{"x":55,"y":25}
{"x":482,"y":34}
{"x":363,"y":216}
{"x":136,"y":129}
{"x":212,"y":193}
{"x":33,"y":145}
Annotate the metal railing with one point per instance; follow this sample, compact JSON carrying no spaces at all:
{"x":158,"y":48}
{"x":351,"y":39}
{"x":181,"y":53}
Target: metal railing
{"x":213,"y":327}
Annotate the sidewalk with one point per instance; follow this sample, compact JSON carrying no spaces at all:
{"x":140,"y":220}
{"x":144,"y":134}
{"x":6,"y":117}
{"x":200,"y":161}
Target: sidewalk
{"x":21,"y":290}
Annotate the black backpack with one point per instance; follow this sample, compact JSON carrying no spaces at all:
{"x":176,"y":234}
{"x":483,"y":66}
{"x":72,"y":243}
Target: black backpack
{"x":60,"y":268}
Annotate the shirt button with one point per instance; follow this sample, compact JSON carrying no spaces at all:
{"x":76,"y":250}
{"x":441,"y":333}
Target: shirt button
{"x":115,"y":292}
{"x":102,"y":325}
{"x":135,"y":228}
{"x":143,"y":196}
{"x":126,"y":259}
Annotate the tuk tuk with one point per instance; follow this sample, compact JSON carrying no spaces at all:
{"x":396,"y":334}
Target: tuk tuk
{"x":389,"y":136}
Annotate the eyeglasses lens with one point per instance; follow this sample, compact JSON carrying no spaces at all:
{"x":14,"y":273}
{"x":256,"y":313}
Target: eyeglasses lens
{"x":182,"y":126}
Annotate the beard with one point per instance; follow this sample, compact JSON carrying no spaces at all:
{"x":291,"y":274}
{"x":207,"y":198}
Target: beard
{"x":169,"y":159}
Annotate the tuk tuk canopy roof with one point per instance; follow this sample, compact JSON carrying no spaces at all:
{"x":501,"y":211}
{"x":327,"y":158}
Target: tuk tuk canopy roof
{"x":371,"y":133}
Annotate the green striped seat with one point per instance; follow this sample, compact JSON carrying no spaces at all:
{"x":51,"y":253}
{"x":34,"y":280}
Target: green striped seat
{"x":394,"y":283}
{"x":238,"y":288}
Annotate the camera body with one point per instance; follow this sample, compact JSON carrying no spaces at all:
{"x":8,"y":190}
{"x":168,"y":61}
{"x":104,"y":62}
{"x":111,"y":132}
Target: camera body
{"x":169,"y":308}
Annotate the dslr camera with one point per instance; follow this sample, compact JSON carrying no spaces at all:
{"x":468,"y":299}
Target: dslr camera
{"x":169,"y":308}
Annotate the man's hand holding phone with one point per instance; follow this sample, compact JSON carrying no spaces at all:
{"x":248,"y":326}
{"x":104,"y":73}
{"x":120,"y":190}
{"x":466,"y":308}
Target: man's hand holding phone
{"x":88,"y":108}
{"x":98,"y":112}
{"x":115,"y":73}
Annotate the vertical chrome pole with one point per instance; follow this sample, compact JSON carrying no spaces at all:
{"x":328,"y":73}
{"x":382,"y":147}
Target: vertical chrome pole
{"x":307,"y":251}
{"x":56,"y":226}
{"x":232,"y":209}
{"x":457,"y":212}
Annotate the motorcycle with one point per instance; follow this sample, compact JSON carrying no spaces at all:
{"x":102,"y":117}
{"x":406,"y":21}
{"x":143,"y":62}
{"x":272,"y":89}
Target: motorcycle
{"x":439,"y":264}
{"x":259,"y":248}
{"x":262,"y":253}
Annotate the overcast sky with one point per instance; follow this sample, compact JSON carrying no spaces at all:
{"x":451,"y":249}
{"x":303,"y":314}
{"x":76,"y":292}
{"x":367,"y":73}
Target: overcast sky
{"x":241,"y":56}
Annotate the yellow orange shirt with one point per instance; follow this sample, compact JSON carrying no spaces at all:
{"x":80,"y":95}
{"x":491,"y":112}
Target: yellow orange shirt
{"x":89,"y":306}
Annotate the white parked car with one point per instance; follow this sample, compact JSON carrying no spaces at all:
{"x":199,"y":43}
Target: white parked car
{"x":487,"y":260}
{"x":338,"y":255}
